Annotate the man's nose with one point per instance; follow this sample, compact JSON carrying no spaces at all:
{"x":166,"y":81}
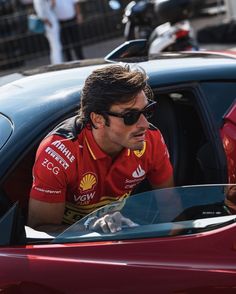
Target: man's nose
{"x":143,"y":122}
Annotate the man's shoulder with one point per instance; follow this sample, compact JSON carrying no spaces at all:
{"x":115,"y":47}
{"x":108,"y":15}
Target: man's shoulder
{"x":58,"y":149}
{"x":64,"y":136}
{"x":68,"y":129}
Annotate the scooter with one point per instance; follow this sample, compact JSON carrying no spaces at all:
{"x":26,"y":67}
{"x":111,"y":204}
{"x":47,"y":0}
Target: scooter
{"x":164,"y":23}
{"x":168,"y":38}
{"x":138,"y":20}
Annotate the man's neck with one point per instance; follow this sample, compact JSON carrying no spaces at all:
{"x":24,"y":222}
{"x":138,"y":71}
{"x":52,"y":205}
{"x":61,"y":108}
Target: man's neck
{"x":111,"y":149}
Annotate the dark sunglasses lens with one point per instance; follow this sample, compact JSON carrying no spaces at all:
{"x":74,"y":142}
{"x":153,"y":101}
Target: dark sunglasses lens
{"x":131,"y":118}
{"x":149,"y":111}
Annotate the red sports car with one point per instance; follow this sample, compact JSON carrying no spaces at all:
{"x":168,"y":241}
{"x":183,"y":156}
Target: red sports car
{"x":183,"y":240}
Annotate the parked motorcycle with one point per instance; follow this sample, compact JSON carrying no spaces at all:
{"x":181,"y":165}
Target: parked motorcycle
{"x":177,"y":37}
{"x":164,"y":23}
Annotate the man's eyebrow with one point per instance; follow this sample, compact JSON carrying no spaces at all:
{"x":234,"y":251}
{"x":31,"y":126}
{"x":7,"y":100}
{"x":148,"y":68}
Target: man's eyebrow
{"x":133,"y":108}
{"x":130,"y":109}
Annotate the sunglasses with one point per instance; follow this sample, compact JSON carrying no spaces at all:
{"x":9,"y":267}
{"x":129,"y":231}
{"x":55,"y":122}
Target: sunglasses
{"x":132,"y":116}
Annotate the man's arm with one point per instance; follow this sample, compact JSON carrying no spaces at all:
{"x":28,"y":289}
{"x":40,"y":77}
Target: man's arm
{"x":79,"y":15}
{"x":45,"y":216}
{"x":41,"y":9}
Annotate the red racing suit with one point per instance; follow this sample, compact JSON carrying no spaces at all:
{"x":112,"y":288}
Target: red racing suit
{"x":70,"y":167}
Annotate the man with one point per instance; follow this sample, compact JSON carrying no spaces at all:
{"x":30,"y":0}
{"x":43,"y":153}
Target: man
{"x":45,"y":10}
{"x":101,"y":155}
{"x":69,"y":15}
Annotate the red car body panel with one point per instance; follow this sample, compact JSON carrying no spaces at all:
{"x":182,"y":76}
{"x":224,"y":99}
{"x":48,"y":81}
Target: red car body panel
{"x":203,"y":263}
{"x":228,"y":134}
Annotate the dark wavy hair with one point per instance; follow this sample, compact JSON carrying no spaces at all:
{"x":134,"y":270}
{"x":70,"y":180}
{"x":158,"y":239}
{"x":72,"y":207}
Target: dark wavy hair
{"x":111,"y":85}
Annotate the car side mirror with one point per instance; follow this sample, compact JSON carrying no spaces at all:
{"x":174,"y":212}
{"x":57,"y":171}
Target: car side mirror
{"x":129,"y":49}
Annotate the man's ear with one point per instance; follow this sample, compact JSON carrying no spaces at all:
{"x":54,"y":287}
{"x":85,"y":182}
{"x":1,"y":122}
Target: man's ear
{"x":97,"y":120}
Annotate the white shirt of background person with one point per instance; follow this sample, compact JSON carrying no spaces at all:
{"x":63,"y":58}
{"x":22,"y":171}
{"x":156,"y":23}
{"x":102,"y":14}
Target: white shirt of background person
{"x":45,"y":10}
{"x":65,"y":10}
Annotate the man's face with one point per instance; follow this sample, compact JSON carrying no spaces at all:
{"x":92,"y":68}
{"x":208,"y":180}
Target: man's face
{"x":118,"y":135}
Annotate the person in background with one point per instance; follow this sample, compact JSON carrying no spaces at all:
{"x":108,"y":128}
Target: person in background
{"x":100,"y":155}
{"x":45,"y":9}
{"x":69,"y":15}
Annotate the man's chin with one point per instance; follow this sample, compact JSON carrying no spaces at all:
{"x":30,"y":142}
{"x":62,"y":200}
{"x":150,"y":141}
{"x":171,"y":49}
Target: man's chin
{"x":137,"y":146}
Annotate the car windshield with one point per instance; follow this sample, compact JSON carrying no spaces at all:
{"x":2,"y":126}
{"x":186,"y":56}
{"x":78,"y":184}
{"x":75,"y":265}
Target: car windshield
{"x":162,"y":213}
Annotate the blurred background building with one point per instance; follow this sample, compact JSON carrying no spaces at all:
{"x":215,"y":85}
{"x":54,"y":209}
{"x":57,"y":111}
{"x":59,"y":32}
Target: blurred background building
{"x":101,"y":22}
{"x":18,"y":45}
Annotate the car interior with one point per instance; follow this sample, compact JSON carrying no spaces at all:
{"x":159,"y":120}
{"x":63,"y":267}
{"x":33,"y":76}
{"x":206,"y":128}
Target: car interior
{"x":190,"y":147}
{"x":178,"y":120}
{"x":191,"y":151}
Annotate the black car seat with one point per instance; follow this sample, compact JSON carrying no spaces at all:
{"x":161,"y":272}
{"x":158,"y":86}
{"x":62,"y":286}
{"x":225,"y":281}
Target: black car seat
{"x":166,"y":119}
{"x":207,"y":171}
{"x":170,"y":124}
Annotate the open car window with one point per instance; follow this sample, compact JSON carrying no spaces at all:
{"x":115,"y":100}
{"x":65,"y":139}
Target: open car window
{"x":163,"y":213}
